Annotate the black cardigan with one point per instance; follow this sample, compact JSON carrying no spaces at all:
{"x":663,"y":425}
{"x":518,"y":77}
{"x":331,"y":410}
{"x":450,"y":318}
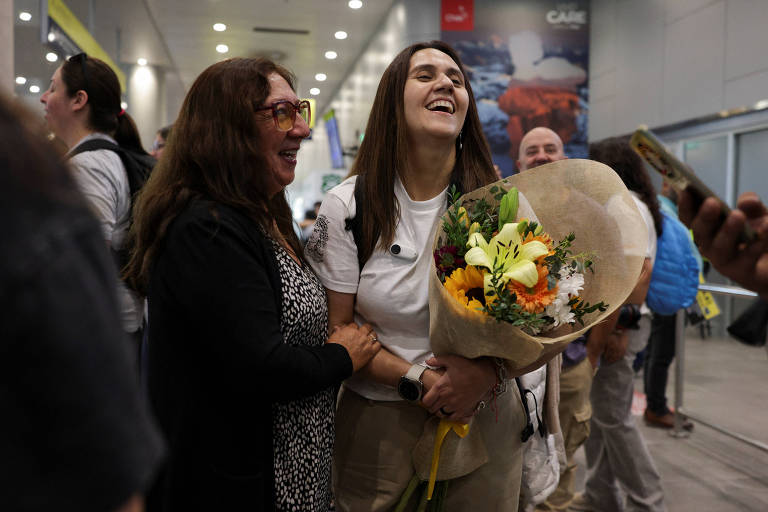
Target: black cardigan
{"x":218,"y":361}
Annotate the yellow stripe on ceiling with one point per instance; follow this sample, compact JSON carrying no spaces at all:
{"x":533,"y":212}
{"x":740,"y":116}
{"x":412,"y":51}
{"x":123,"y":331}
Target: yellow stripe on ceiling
{"x":60,"y":13}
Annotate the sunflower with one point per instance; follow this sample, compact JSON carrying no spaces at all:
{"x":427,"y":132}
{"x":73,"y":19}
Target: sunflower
{"x":463,"y":281}
{"x":538,"y":296}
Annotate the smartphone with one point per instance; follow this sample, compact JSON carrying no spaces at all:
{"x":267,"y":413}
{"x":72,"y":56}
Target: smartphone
{"x":675,"y":172}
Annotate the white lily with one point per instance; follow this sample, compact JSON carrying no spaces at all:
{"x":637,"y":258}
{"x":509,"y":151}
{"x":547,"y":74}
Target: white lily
{"x":507,"y":250}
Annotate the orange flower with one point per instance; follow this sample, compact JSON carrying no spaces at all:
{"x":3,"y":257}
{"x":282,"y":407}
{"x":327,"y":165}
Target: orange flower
{"x":461,"y":281}
{"x":537,"y":297}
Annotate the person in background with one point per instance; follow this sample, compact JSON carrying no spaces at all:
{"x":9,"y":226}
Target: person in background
{"x":161,"y":139}
{"x":242,"y":370}
{"x":308,"y":224}
{"x":82,"y":104}
{"x":75,"y":434}
{"x":423,"y":134}
{"x":618,"y":462}
{"x":661,"y":344}
{"x":580,"y":359}
{"x":718,"y":238}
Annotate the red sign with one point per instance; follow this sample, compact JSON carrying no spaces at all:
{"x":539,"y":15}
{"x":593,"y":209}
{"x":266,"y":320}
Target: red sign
{"x":457,"y":15}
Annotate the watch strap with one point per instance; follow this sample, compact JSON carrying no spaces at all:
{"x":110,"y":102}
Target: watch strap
{"x":415,"y":372}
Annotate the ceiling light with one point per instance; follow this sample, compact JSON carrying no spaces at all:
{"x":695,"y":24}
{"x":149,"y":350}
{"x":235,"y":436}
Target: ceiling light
{"x":142,"y":61}
{"x":340,"y":35}
{"x":314,"y":91}
{"x":222,"y":48}
{"x":320,"y":77}
{"x":355,"y":4}
{"x":51,"y":37}
{"x":219,"y":27}
{"x":51,"y":57}
{"x":34,"y":89}
{"x":123,"y":105}
{"x":330,"y":55}
{"x":25,"y":16}
{"x":21,"y":80}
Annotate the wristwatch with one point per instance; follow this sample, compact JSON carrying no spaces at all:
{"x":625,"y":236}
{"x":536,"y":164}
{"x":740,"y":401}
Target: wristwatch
{"x":410,"y":387}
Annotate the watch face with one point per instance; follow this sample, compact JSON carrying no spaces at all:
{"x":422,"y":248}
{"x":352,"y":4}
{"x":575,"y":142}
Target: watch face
{"x":408,"y":390}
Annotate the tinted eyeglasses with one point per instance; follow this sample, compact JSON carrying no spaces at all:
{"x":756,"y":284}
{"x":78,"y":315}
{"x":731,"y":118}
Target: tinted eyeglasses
{"x":81,"y":58}
{"x":284,"y":113}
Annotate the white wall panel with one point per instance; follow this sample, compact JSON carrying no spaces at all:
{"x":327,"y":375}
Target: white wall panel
{"x":602,"y":36}
{"x":602,"y":119}
{"x":746,"y":37}
{"x":693,"y":65}
{"x":639,"y":63}
{"x":677,"y":9}
{"x":746,"y":91}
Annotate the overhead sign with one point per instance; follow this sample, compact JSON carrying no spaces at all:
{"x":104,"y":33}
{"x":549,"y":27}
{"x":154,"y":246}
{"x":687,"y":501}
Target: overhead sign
{"x":457,"y":15}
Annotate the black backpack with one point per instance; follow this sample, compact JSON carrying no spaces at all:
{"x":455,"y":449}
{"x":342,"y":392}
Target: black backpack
{"x":138,"y":167}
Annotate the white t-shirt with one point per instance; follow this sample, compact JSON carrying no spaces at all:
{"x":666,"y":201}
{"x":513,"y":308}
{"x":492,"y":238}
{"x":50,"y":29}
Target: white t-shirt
{"x":392,"y":290}
{"x":102,"y":179}
{"x":650,"y":251}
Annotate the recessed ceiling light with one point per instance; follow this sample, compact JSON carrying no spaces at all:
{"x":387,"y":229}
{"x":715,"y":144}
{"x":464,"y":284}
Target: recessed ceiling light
{"x":222,"y":48}
{"x":340,"y":35}
{"x":34,"y":89}
{"x":51,"y":37}
{"x":25,"y":16}
{"x":21,"y":80}
{"x":314,"y":91}
{"x":320,"y":77}
{"x":123,"y":105}
{"x":330,"y":55}
{"x":142,"y":61}
{"x":355,"y":4}
{"x":219,"y":27}
{"x":51,"y":57}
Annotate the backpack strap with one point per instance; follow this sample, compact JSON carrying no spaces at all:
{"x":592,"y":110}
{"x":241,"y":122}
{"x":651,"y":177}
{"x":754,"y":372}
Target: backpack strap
{"x":133,"y":165}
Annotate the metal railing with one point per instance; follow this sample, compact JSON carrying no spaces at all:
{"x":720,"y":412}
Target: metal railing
{"x":681,"y":412}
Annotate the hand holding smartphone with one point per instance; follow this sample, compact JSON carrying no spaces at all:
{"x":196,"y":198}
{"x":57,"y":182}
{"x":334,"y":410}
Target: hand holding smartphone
{"x":677,"y":173}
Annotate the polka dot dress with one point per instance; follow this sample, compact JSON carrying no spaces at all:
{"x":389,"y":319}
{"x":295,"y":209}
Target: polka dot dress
{"x":302,"y":430}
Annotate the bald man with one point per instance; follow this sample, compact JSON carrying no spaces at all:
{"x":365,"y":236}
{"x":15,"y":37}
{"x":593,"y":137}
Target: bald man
{"x":539,"y":146}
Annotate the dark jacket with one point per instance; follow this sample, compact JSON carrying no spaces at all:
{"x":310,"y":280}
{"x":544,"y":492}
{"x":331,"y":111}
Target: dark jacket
{"x":218,"y":361}
{"x":74,"y":432}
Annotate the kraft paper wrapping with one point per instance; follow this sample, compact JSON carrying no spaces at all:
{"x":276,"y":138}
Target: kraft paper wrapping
{"x":580,"y":196}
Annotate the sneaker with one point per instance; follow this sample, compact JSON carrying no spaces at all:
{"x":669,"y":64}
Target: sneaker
{"x":664,"y":420}
{"x":581,"y":503}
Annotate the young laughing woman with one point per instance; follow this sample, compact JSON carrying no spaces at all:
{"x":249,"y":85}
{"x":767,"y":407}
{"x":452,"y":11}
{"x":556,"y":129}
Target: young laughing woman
{"x":422,"y":135}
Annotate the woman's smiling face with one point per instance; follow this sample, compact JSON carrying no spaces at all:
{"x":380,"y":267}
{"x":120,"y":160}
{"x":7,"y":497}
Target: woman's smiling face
{"x":435,"y":97}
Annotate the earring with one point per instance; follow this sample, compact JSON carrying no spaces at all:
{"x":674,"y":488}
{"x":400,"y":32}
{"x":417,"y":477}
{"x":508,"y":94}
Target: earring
{"x":461,"y":140}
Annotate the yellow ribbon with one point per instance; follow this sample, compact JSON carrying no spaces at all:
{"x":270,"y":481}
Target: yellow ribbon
{"x":461,"y":429}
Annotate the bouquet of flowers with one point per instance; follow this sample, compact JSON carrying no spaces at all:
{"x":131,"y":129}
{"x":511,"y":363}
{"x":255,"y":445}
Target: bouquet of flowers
{"x":511,"y":271}
{"x":523,"y":267}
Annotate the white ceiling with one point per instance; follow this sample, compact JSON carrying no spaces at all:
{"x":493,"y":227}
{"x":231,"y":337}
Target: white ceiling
{"x":178,"y":35}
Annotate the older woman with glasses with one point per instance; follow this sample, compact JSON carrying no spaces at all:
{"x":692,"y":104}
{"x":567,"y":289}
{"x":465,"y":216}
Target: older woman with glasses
{"x":82,"y":108}
{"x":242,"y":371}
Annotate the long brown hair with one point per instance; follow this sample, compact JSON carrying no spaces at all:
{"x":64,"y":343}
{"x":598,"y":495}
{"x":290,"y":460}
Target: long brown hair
{"x":212,"y":153}
{"x":384,"y":150}
{"x":616,"y":153}
{"x":100,"y":83}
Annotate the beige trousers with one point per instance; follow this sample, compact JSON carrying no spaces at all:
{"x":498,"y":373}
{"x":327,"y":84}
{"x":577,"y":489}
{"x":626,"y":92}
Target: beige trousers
{"x":373,"y":463}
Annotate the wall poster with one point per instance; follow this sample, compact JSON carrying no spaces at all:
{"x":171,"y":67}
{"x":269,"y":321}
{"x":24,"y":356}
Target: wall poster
{"x":528,"y":62}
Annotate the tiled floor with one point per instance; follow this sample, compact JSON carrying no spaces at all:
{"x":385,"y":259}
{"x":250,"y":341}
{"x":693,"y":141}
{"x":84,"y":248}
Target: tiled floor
{"x":725,"y":383}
